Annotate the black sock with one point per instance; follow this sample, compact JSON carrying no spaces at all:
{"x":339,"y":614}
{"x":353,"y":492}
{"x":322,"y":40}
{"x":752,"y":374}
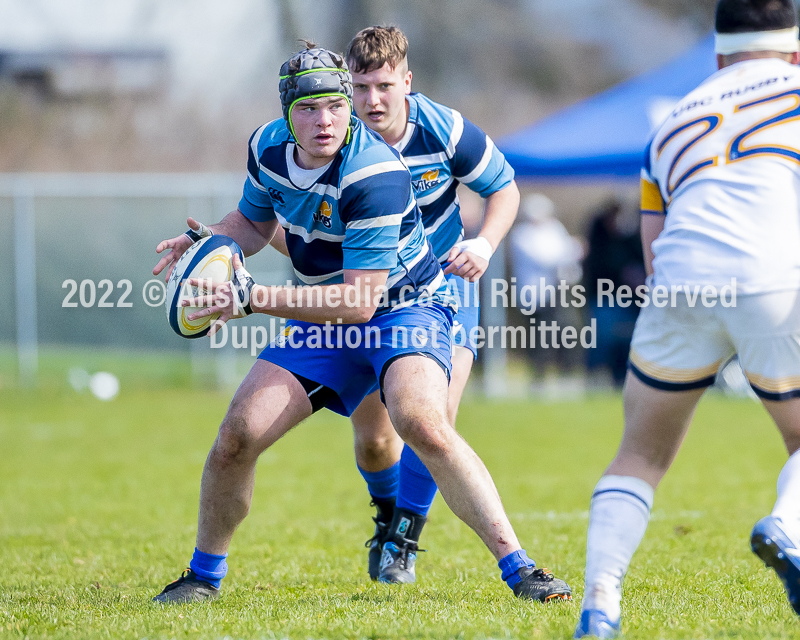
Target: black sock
{"x":385,"y":507}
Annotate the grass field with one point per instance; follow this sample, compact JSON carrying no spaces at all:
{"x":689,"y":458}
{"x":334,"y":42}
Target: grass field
{"x":98,"y":506}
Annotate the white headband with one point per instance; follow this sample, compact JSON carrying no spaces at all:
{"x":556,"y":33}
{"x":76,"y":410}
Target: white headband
{"x":780,"y":40}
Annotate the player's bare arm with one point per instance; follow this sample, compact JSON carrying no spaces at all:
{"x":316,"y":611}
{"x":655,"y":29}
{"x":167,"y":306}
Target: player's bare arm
{"x":652,"y":226}
{"x":278,"y":242}
{"x":249,"y":235}
{"x":470,"y":258}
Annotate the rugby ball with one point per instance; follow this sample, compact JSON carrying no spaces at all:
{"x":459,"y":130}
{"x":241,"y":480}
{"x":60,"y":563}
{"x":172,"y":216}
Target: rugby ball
{"x":208,"y":258}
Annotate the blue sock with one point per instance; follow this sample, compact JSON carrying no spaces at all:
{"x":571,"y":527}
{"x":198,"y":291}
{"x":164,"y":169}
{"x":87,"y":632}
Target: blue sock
{"x":208,"y":567}
{"x":382,"y":484}
{"x":511,"y":564}
{"x":417,"y":488}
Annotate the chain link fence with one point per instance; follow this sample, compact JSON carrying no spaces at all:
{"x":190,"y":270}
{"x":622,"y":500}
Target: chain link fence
{"x":79,"y":252}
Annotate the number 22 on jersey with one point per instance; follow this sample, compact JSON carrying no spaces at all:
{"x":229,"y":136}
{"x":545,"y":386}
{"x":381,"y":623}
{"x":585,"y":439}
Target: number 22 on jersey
{"x":736,"y":150}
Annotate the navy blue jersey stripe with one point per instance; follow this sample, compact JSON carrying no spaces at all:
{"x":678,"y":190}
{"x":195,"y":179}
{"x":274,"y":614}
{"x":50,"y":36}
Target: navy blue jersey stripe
{"x":314,"y":258}
{"x":252,"y":168}
{"x":469,"y":150}
{"x":395,"y":190}
{"x":275,"y":159}
{"x":408,"y":224}
{"x":432,"y":211}
{"x":422,"y":272}
{"x":444,"y":150}
{"x":423,"y":143}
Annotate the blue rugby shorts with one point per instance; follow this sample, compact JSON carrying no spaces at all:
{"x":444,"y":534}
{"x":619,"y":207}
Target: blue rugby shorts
{"x":466,"y":318}
{"x":351,"y":359}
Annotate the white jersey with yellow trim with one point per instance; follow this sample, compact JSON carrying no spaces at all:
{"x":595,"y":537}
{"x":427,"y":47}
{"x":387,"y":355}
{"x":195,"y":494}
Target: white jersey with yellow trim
{"x":725,"y":170}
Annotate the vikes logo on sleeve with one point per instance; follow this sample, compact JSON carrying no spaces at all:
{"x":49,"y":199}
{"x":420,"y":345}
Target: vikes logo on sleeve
{"x":323,"y":216}
{"x":428,"y":180}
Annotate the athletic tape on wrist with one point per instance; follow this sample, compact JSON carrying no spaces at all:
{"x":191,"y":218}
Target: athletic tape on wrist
{"x":480,"y":246}
{"x":243,"y":284}
{"x":202,"y":232}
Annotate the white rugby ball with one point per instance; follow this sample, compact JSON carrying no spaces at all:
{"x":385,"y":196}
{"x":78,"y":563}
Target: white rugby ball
{"x":208,"y":258}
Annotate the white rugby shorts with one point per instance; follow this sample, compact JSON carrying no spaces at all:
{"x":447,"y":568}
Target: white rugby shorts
{"x":681,"y":348}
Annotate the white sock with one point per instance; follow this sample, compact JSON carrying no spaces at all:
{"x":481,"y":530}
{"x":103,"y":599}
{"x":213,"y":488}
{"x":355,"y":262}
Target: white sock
{"x":617,"y":522}
{"x":787,"y":507}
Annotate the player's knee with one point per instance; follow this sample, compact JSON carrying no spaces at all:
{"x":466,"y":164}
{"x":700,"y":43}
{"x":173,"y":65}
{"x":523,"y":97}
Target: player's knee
{"x":374,"y":447}
{"x":431,"y":435}
{"x":235,"y":442}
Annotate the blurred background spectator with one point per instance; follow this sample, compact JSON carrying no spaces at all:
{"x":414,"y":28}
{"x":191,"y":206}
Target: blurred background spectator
{"x":615,"y":254}
{"x":543,"y":254}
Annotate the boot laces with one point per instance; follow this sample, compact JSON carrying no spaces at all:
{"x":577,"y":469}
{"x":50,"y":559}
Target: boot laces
{"x":177,"y":583}
{"x":381,"y":527}
{"x":406,"y":547}
{"x":380,"y":532}
{"x":543,"y":574}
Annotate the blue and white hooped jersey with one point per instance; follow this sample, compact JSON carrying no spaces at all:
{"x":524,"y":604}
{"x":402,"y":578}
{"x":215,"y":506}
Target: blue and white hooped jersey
{"x":443,"y":149}
{"x":359,"y":213}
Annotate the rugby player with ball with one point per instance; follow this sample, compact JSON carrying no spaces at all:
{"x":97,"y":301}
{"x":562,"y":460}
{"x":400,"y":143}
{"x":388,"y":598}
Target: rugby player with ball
{"x":353,"y":228}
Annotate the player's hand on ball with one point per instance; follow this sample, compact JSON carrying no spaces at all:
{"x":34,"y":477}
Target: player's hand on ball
{"x":229,"y":299}
{"x":469,"y":258}
{"x":177,"y":246}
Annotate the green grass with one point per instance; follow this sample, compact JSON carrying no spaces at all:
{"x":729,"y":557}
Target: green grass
{"x":98,"y":506}
{"x":146,"y":369}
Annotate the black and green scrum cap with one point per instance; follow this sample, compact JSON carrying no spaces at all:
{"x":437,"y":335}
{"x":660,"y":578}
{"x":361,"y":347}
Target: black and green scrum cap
{"x":313,"y":73}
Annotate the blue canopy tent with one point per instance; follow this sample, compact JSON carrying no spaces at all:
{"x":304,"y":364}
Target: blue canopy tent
{"x":604,"y":136}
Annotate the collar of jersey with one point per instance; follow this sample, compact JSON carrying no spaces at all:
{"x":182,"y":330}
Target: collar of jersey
{"x":291,"y":164}
{"x":413,"y":109}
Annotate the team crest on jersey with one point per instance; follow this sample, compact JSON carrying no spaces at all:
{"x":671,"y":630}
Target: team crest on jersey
{"x":323,"y":216}
{"x":428,"y":180}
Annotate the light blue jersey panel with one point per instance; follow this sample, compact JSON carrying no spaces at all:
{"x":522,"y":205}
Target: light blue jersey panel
{"x":443,"y":149}
{"x":359,"y":214}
